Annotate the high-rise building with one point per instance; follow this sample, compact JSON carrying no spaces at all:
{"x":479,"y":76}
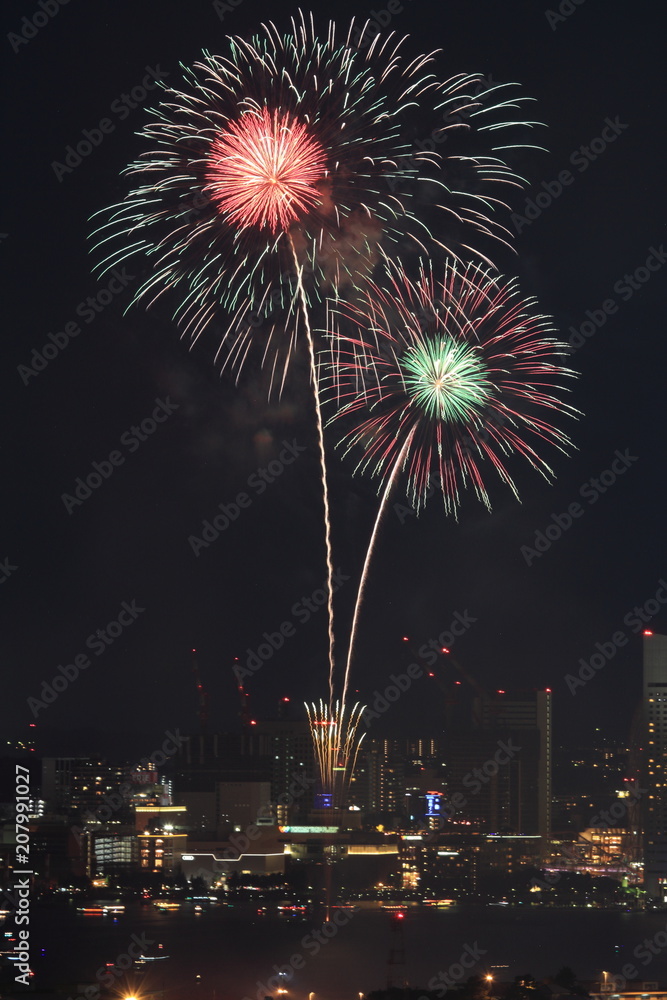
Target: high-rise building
{"x":499,"y":768}
{"x":383,"y":765}
{"x":522,"y":712}
{"x":289,"y":747}
{"x":76,"y":785}
{"x":279,"y":752}
{"x":394,"y":776}
{"x":654,"y":812}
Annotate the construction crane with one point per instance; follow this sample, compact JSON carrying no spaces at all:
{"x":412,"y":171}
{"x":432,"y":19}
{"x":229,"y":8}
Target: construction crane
{"x":203,"y":696}
{"x":449,"y":689}
{"x":244,"y":711}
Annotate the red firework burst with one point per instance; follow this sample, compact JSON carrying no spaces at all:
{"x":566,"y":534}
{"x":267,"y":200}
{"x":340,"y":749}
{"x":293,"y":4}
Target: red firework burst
{"x":263,"y":170}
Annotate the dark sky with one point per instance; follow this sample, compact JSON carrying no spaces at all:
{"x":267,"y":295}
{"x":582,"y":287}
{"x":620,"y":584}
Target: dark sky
{"x":129,"y":540}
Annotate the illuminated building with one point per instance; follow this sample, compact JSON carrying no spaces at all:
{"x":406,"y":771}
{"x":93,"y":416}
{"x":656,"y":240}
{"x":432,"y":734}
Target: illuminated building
{"x":606,"y":848}
{"x":114,"y":853}
{"x":162,"y":839}
{"x":655,"y":765}
{"x":439,"y":867}
{"x":75,"y":785}
{"x":289,"y":747}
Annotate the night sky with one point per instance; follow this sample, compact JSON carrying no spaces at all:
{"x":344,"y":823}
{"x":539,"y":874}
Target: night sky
{"x":67,"y":573}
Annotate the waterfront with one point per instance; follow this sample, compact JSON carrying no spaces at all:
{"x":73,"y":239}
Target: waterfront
{"x":234,"y":951}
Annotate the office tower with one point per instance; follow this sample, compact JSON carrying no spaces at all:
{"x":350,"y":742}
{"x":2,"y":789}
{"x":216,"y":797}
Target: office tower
{"x":77,"y":785}
{"x":279,"y":752}
{"x":654,"y":812}
{"x":500,"y":766}
{"x":527,"y":713}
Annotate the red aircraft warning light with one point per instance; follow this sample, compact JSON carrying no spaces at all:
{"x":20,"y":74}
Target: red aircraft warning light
{"x":646,"y":632}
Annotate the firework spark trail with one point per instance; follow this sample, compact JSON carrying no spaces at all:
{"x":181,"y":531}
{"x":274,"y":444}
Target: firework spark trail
{"x":323,"y":465}
{"x":369,"y":554}
{"x":441,"y":375}
{"x":310,"y":134}
{"x":464,"y":366}
{"x":334,"y":733}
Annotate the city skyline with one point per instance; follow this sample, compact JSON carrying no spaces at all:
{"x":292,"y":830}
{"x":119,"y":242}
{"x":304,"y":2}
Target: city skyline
{"x":333,"y":579}
{"x":541,"y":584}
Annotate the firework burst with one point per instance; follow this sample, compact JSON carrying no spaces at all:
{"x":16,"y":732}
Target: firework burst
{"x":336,"y":741}
{"x":292,"y":157}
{"x":441,"y":378}
{"x":444,"y":375}
{"x":263,"y":171}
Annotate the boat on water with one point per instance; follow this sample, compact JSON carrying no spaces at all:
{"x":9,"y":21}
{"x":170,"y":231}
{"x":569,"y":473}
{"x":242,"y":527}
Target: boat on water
{"x":101,"y":909}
